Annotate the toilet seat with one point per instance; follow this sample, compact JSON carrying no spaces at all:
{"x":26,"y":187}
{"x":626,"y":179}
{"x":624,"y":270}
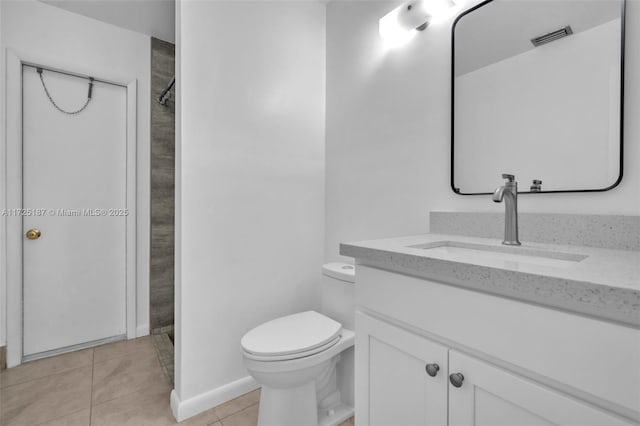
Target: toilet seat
{"x":287,"y":357}
{"x":290,"y":337}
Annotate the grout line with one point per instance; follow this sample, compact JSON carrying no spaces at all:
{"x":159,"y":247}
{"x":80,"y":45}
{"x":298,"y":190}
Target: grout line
{"x":218,"y":419}
{"x":93,"y":368}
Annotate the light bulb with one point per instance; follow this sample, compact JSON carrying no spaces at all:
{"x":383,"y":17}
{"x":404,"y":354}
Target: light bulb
{"x":402,"y":23}
{"x":392,"y":31}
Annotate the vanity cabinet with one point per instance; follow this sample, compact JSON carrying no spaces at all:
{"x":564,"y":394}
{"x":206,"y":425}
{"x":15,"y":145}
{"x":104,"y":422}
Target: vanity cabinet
{"x":407,"y":380}
{"x":406,"y":376}
{"x":519,"y":364}
{"x":491,"y":396}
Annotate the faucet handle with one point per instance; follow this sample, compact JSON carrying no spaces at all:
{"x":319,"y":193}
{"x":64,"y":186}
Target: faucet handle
{"x":536,"y":186}
{"x":510,"y":178}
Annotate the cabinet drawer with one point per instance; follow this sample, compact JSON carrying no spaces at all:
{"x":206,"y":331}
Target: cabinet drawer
{"x":581,"y":354}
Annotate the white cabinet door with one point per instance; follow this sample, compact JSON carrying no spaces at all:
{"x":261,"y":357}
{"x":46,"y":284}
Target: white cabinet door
{"x":490,"y":396}
{"x":393,"y":387}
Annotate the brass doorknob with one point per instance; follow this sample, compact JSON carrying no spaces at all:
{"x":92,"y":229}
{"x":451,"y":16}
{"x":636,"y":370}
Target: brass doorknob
{"x":33,"y":234}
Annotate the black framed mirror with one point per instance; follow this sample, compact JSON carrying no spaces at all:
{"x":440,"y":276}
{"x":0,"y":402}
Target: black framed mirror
{"x":537,"y":91}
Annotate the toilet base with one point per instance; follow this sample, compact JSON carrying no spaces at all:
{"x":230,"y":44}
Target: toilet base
{"x":288,"y":407}
{"x":297,"y":407}
{"x":337,"y":416}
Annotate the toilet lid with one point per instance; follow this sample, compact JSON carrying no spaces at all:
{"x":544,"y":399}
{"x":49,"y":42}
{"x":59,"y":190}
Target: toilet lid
{"x":292,"y":334}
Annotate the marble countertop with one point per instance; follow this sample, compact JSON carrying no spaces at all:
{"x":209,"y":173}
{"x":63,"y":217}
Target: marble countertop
{"x":602,"y":283}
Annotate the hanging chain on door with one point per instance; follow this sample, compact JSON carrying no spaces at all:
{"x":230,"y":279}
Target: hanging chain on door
{"x":54,"y":102}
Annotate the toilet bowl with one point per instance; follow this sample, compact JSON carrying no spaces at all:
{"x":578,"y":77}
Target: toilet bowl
{"x":294,"y":358}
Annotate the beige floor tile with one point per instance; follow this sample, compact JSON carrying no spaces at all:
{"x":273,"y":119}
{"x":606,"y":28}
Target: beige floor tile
{"x":125,"y":347}
{"x":348,"y":422}
{"x":47,"y":398}
{"x":144,"y":409}
{"x":45,"y":367}
{"x":203,"y":419}
{"x":81,"y":418}
{"x":246,"y":417}
{"x":134,"y":372}
{"x":237,"y":404}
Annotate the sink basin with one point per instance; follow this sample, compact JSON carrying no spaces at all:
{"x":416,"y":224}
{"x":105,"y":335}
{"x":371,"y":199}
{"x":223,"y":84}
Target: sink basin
{"x":506,"y":255}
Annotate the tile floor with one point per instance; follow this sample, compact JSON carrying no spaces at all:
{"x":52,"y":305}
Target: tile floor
{"x":119,"y":384}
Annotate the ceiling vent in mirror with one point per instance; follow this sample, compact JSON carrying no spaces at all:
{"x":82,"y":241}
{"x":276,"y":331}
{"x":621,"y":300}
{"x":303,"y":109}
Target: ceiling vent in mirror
{"x":552,"y":36}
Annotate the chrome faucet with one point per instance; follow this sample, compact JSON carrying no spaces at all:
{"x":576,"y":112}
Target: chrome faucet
{"x":509,"y":193}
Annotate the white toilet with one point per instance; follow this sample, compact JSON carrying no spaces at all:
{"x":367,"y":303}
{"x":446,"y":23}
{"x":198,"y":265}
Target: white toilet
{"x":294,"y":358}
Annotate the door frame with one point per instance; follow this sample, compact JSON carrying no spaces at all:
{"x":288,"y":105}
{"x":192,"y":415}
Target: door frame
{"x":11,"y":262}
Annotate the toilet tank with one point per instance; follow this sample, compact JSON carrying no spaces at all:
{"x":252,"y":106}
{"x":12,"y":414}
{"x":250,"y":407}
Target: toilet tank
{"x":338,"y":299}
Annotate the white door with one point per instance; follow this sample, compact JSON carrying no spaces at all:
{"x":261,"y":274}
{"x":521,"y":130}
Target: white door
{"x":74,"y":168}
{"x":490,"y":396}
{"x":391,"y":373}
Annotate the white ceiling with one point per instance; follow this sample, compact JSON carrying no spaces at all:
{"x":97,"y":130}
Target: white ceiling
{"x":504,"y":28}
{"x":155,"y":18}
{"x":494,"y":32}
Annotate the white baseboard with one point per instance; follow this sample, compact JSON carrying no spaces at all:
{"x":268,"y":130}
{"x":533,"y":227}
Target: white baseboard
{"x":197,"y":404}
{"x":142,"y":330}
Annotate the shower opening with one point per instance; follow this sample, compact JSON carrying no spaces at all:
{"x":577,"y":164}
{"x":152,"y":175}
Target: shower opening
{"x":161,"y":272}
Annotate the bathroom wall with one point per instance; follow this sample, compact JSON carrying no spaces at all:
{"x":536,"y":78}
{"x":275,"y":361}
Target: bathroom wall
{"x":249,"y":183}
{"x":388,"y":137}
{"x":162,"y":186}
{"x":48,"y":35}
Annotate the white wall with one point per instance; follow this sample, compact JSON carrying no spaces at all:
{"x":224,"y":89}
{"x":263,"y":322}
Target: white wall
{"x":250,"y":178}
{"x":388,"y":135}
{"x":51,"y":36}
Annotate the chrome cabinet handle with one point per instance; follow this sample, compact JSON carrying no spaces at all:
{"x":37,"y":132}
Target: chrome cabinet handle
{"x":432,"y":369}
{"x":456,"y":379}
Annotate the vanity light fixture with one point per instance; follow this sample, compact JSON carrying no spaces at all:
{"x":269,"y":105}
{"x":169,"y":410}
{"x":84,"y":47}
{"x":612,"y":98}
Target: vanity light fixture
{"x":403,"y":23}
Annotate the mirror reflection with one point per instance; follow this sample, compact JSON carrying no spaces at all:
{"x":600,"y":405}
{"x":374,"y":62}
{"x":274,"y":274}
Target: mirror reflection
{"x":537,"y":93}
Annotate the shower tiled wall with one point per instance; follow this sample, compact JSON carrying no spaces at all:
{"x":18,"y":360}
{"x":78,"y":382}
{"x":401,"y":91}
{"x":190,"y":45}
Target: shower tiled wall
{"x":162,"y":185}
